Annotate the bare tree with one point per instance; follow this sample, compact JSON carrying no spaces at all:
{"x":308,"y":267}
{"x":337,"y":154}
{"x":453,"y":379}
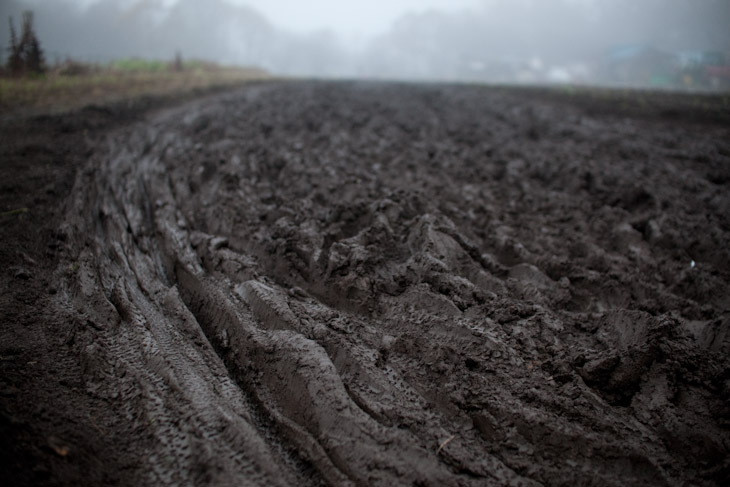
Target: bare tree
{"x":15,"y":59}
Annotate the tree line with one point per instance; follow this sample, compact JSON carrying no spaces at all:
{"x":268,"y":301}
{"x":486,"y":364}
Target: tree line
{"x":25,"y":55}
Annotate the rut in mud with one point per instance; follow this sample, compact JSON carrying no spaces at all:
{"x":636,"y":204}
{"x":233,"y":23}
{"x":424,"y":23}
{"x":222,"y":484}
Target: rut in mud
{"x":375,"y":284}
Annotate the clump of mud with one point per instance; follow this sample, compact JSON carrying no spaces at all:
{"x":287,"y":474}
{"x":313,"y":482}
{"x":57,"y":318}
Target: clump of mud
{"x":372,"y":284}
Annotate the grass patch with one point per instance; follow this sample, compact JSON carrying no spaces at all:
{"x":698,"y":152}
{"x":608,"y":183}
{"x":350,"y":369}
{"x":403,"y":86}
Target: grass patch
{"x":19,"y":212}
{"x":64,"y":89}
{"x":137,"y":64}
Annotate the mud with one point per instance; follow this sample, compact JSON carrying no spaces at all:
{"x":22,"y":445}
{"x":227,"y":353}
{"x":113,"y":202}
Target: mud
{"x":377,"y":284}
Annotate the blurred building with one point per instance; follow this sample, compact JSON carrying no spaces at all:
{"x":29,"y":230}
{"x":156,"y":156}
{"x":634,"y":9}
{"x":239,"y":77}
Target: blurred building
{"x":704,"y":69}
{"x":640,"y":65}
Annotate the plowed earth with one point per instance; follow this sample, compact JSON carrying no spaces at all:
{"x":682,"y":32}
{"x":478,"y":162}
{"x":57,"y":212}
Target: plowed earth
{"x":368,"y":284}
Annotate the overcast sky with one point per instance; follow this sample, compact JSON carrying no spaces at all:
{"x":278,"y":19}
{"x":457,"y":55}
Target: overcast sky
{"x":364,"y":17}
{"x":350,"y":18}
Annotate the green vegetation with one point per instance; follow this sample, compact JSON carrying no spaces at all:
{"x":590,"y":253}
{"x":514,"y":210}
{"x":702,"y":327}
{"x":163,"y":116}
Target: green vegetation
{"x":139,"y":65}
{"x":19,"y":212}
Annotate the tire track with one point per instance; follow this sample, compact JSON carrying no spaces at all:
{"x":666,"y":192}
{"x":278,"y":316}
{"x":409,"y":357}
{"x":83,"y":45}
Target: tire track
{"x":307,"y":289}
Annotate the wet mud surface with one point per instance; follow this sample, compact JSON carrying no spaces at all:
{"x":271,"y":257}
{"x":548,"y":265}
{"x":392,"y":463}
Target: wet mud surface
{"x":377,"y":284}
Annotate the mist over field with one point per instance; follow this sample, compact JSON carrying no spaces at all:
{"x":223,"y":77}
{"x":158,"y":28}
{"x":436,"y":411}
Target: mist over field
{"x":624,"y":42}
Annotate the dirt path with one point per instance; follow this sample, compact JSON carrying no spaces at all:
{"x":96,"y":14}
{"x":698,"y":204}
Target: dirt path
{"x":377,"y":284}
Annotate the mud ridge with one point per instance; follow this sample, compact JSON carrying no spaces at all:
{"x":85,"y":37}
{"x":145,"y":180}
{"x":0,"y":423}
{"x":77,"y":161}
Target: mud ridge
{"x":374,"y":284}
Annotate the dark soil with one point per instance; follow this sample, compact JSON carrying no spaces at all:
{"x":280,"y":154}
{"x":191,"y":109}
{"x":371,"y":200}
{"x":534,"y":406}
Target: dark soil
{"x":310,"y":283}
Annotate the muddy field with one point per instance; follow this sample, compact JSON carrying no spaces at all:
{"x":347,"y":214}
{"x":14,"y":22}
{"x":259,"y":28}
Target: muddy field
{"x":320,"y":283}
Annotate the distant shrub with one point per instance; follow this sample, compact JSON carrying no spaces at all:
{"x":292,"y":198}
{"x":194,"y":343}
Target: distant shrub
{"x":73,"y":68}
{"x":200,"y":65}
{"x":177,"y":63}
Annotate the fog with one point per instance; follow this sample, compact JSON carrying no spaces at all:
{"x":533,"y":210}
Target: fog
{"x":624,"y":42}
